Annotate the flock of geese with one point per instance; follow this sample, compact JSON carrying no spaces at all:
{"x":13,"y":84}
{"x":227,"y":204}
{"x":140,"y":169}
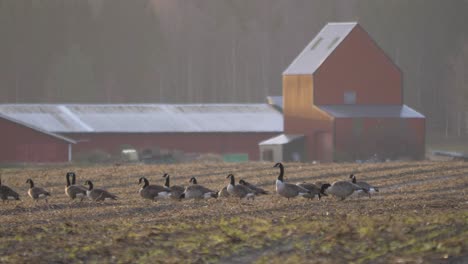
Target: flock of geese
{"x":242,"y":190}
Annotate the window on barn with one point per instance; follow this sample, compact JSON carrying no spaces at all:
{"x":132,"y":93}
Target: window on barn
{"x":350,"y":97}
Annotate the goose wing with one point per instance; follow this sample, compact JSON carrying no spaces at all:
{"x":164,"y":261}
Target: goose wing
{"x":291,"y":190}
{"x":73,"y":191}
{"x":101,"y":195}
{"x":37,"y":192}
{"x":6,"y":193}
{"x":256,"y":189}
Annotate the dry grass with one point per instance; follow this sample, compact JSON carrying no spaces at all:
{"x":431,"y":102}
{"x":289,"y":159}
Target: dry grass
{"x":420,"y":215}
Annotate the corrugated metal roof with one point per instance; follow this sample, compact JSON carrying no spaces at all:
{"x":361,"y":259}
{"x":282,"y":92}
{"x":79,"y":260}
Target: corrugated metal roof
{"x":147,"y":118}
{"x":318,"y":50}
{"x":275,"y":100}
{"x":38,"y":129}
{"x":281,"y":139}
{"x":384,"y":111}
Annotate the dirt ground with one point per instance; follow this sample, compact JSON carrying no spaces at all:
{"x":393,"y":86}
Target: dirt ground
{"x":420,"y":215}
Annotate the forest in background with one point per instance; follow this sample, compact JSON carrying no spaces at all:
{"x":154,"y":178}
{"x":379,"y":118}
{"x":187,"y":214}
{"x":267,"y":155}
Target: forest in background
{"x":221,"y":51}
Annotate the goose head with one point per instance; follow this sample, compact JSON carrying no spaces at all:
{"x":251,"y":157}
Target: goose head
{"x":231,"y":177}
{"x":324,"y":187}
{"x":278,"y":165}
{"x":166,"y":183}
{"x":143,"y":179}
{"x":193,"y":180}
{"x":242,"y":182}
{"x":31,"y":183}
{"x":90,"y":184}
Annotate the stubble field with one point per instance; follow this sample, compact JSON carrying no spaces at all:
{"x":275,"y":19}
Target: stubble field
{"x":420,"y":215}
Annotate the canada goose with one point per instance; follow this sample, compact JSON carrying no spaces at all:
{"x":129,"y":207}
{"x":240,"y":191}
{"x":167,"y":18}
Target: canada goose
{"x":196,"y":191}
{"x":288,"y":190}
{"x":176,"y":190}
{"x":74,"y":191}
{"x":98,"y":194}
{"x":313,"y":188}
{"x":6,"y":193}
{"x":152,"y":192}
{"x":370,"y":189}
{"x":341,"y":189}
{"x":239,"y":190}
{"x":257,"y":190}
{"x":37,"y":193}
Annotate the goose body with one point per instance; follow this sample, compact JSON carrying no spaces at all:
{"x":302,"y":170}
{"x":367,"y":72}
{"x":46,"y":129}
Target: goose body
{"x":176,"y":190}
{"x":98,"y":194}
{"x":224,"y":192}
{"x":288,"y":190}
{"x":257,"y":190}
{"x":6,"y":193}
{"x":74,"y":191}
{"x":196,"y":191}
{"x":370,"y":189}
{"x":239,"y":190}
{"x":37,"y":193}
{"x":341,"y":189}
{"x":313,"y":188}
{"x":152,"y":192}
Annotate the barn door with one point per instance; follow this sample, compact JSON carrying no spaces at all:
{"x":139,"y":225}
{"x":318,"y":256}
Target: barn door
{"x":324,"y":146}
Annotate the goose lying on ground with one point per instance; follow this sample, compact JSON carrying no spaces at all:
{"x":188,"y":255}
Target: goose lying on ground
{"x":314,"y":190}
{"x":37,"y":193}
{"x":98,"y":194}
{"x":6,"y":193}
{"x":239,"y":190}
{"x":370,"y":189}
{"x":288,"y":190}
{"x":257,"y":190}
{"x":341,"y":189}
{"x":196,"y":191}
{"x":152,"y":192}
{"x":176,"y":190}
{"x":74,"y":191}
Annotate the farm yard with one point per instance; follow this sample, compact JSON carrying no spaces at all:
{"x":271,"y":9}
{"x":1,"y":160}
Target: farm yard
{"x":420,"y":215}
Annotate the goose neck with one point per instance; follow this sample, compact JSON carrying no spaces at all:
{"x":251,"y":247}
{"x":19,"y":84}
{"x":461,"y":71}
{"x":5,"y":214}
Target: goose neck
{"x":68,"y":179}
{"x":167,"y":182}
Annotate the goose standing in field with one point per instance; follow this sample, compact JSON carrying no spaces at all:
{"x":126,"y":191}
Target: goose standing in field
{"x":341,"y":189}
{"x":370,"y":189}
{"x":98,"y":194}
{"x":288,"y":190}
{"x":6,"y":193}
{"x":74,"y":191}
{"x":176,"y":190}
{"x":239,"y":190}
{"x":257,"y":190}
{"x":314,"y":190}
{"x":153,"y":192}
{"x":196,"y":191}
{"x":37,"y":193}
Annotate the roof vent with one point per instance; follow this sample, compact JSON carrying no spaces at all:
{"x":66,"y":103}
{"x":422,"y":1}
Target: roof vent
{"x":316,"y":43}
{"x":334,"y":41}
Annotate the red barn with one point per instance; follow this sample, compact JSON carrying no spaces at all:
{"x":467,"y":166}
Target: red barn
{"x":344,"y":96}
{"x":23,"y":142}
{"x":226,"y":129}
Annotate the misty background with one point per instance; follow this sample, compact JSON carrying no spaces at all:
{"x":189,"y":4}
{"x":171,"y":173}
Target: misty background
{"x":221,"y":51}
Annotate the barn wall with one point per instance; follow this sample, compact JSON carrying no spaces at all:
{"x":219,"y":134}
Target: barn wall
{"x":393,"y":138}
{"x":221,"y":143}
{"x":22,"y":144}
{"x":359,"y":65}
{"x":300,"y":115}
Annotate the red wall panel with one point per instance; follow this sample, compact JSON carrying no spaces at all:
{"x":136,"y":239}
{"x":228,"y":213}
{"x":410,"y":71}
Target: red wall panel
{"x":359,"y":65}
{"x":22,"y":144}
{"x":188,"y":142}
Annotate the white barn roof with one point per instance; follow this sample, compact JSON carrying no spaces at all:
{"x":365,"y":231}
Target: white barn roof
{"x":318,"y":50}
{"x":383,"y":111}
{"x":146,"y":118}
